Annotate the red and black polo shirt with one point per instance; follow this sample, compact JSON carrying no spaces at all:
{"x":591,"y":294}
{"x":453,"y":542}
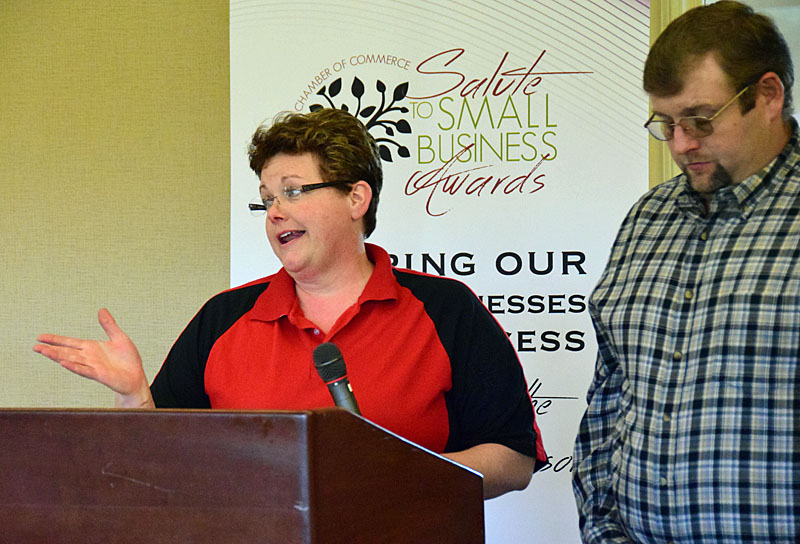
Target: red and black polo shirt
{"x":426,"y":360}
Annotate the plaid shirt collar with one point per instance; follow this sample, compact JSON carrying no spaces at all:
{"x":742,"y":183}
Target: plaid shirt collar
{"x":740,"y":198}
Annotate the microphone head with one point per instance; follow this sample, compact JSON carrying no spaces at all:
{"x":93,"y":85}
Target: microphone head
{"x":329,"y":362}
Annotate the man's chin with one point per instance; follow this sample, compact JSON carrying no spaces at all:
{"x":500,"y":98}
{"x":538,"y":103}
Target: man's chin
{"x":707,"y":184}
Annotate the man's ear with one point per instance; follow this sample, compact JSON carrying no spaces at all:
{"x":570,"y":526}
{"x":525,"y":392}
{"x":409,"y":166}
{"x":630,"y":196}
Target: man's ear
{"x":770,"y":89}
{"x":360,"y":198}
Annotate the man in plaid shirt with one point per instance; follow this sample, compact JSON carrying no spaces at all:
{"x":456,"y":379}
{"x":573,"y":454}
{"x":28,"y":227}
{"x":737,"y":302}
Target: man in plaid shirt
{"x":692,"y":433}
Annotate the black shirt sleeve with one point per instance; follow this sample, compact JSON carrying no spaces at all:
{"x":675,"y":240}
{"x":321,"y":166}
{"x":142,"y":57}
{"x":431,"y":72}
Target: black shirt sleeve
{"x":489,"y":400}
{"x":181,"y":381}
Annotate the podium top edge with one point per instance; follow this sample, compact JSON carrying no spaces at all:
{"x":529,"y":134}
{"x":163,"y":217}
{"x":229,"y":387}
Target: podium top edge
{"x":164,"y":411}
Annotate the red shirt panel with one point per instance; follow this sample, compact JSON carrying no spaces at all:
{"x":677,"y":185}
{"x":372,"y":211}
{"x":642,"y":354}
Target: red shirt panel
{"x":396,"y":365}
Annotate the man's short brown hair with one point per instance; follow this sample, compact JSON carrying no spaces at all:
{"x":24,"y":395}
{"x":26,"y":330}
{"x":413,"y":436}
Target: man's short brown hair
{"x":746,"y":45}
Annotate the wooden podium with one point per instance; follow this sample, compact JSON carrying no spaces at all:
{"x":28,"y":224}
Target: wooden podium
{"x":198,"y":476}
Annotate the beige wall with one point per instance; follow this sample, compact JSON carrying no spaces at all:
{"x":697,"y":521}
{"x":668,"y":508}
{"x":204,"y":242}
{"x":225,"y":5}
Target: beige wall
{"x":115,"y":177}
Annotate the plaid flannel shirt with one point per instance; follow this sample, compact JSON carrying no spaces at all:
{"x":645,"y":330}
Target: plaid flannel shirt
{"x":692,"y":433}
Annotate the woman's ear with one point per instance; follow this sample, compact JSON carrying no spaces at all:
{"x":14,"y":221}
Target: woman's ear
{"x":360,"y":198}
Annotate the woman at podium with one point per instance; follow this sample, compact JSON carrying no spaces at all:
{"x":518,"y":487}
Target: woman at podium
{"x":425,"y":359}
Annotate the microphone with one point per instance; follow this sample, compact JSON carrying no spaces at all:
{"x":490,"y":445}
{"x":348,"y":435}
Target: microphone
{"x":330,"y":366}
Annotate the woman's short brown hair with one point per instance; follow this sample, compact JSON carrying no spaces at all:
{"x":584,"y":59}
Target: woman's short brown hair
{"x":344,"y":149}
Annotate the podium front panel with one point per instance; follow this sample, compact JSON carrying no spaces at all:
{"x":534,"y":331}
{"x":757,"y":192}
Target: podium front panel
{"x":204,"y":476}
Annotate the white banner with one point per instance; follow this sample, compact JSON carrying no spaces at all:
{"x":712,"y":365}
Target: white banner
{"x":513,"y":145}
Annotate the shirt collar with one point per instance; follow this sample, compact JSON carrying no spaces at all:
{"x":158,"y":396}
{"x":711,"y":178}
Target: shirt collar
{"x":280,"y":299}
{"x":742,"y":198}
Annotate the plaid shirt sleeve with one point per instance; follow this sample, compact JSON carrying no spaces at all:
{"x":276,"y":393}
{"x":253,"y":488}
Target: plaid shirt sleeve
{"x":598,"y":434}
{"x":597,"y":511}
{"x":692,"y":431}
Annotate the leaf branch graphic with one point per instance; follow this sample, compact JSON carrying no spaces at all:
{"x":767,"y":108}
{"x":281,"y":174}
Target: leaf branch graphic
{"x":375,"y":115}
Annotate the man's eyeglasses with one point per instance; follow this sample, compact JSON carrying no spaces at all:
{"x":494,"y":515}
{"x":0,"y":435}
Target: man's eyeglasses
{"x":695,"y":126}
{"x":291,"y":193}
